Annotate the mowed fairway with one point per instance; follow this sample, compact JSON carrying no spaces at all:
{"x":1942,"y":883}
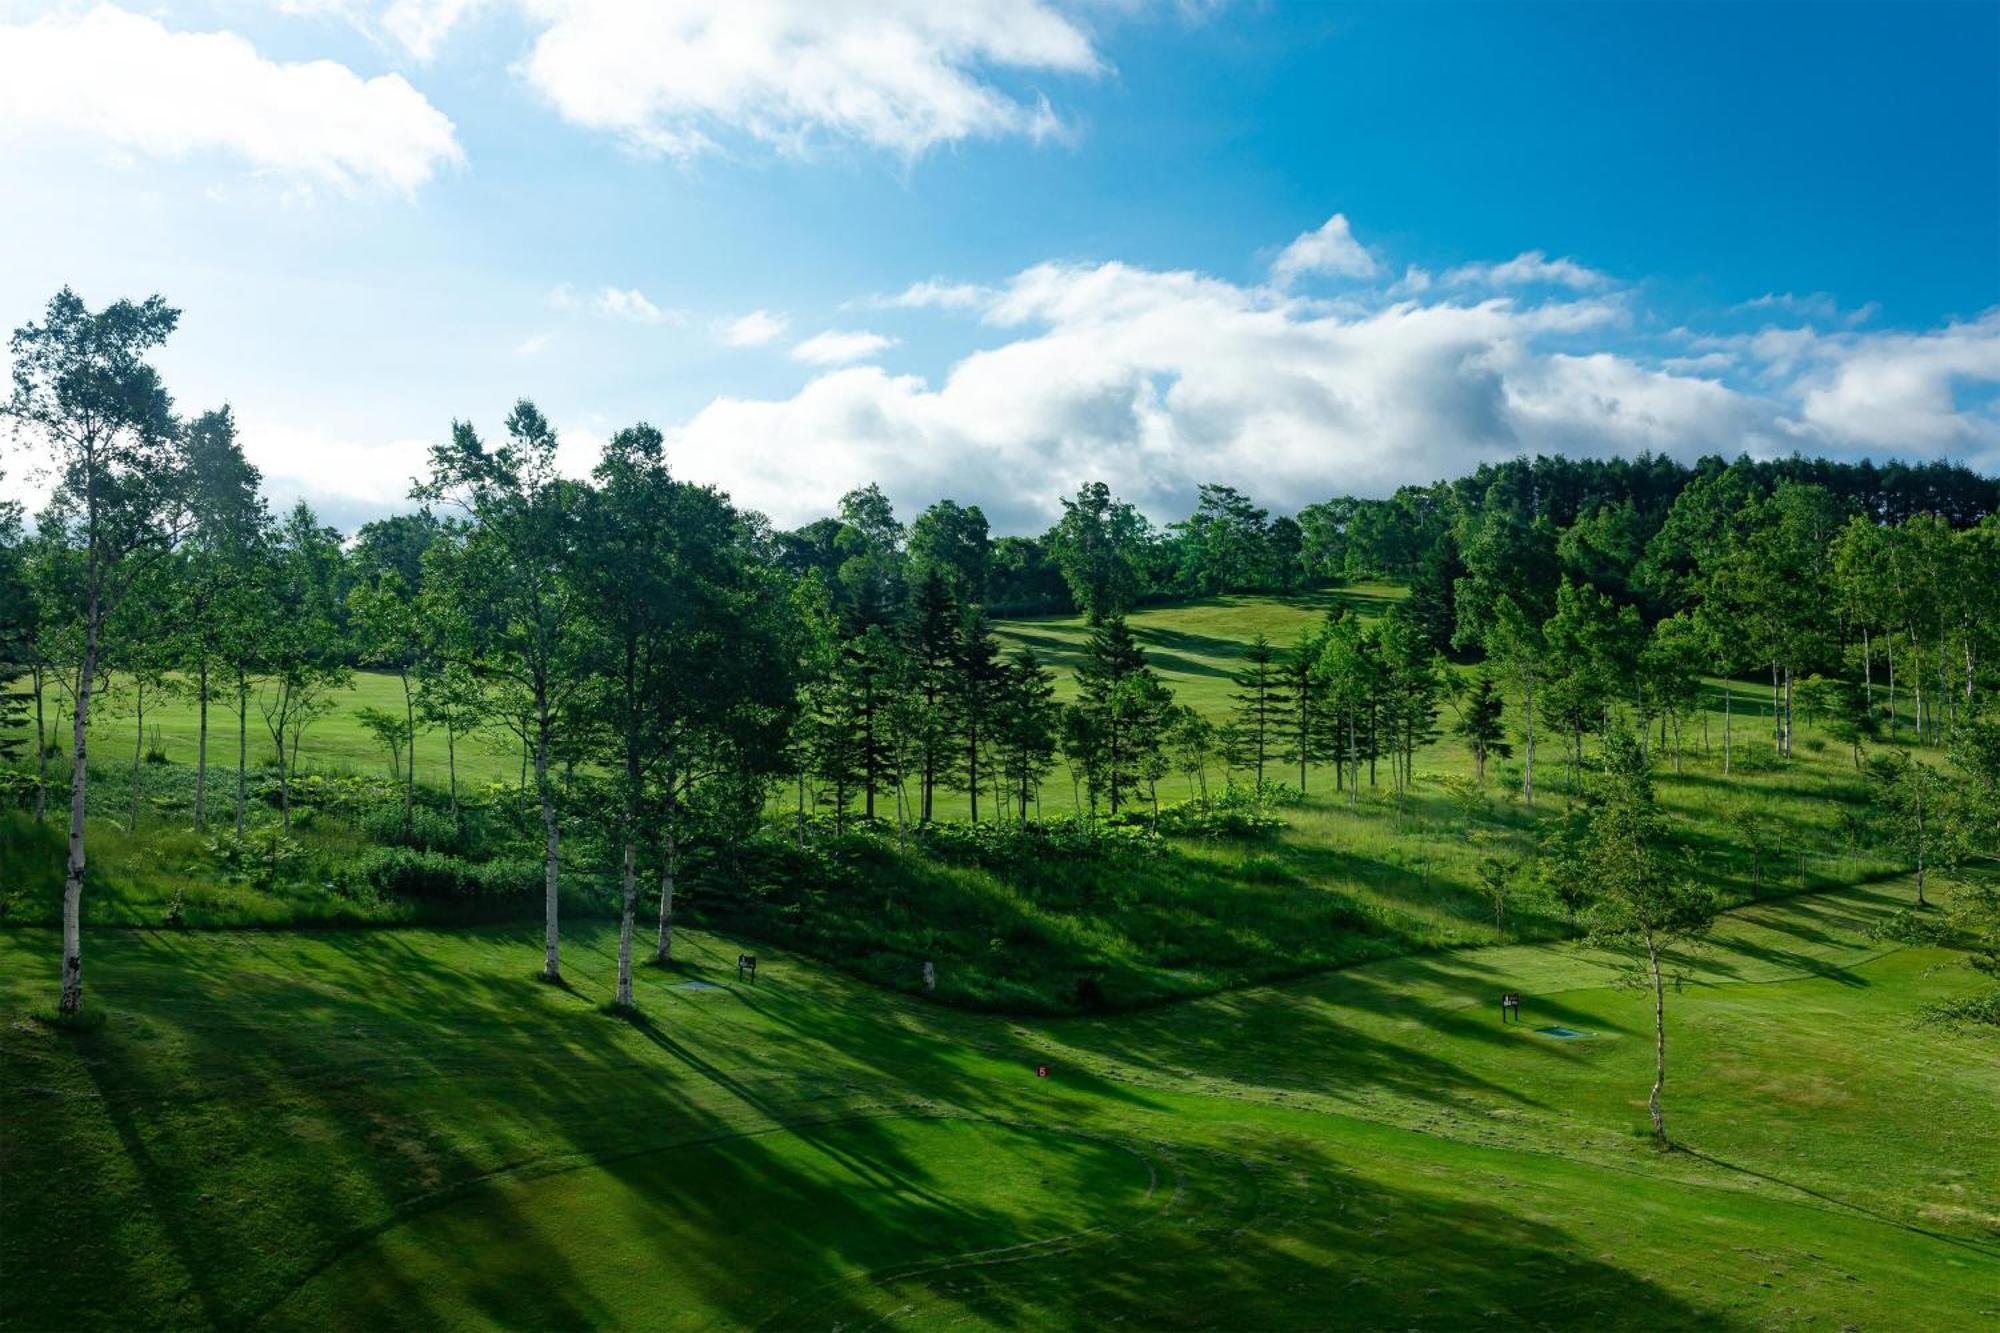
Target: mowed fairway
{"x":401,"y":1129}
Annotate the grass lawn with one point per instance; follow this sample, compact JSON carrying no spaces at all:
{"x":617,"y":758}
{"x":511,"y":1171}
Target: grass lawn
{"x":401,"y":1129}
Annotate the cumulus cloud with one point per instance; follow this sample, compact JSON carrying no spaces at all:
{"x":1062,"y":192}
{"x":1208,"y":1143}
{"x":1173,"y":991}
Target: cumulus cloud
{"x":838,"y":347}
{"x":626,"y":303}
{"x":1907,"y":388}
{"x":674,"y":77}
{"x":754,"y":329}
{"x":937,"y":294}
{"x":1331,"y":249}
{"x":1527,"y":269}
{"x":130,"y":81}
{"x":1156,"y":381}
{"x":629,"y":303}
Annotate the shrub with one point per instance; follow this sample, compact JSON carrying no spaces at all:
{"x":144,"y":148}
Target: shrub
{"x":439,"y":876}
{"x":1983,"y":1010}
{"x":1909,"y":926}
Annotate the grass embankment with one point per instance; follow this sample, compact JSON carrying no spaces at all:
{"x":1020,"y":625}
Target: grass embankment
{"x":401,"y":1129}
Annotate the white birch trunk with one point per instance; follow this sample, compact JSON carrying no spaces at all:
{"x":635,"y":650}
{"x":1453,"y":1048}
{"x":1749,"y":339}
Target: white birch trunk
{"x":72,"y":936}
{"x":663,"y":952}
{"x":1655,"y":1103}
{"x":552,"y":858}
{"x":630,"y":901}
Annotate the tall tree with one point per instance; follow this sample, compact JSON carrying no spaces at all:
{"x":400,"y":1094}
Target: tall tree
{"x":1026,"y":726}
{"x":301,"y":653}
{"x":215,"y":592}
{"x":976,"y":699}
{"x":952,"y":540}
{"x":1305,"y":727}
{"x":1258,"y":699}
{"x":515,"y":575}
{"x":1116,"y":709}
{"x":1097,"y":545}
{"x":82,"y":391}
{"x":1637,"y":889}
{"x":1480,"y":710}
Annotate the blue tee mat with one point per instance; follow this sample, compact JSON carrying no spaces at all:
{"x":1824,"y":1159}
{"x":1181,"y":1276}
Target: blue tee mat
{"x":697,"y":985}
{"x":1561,"y":1033}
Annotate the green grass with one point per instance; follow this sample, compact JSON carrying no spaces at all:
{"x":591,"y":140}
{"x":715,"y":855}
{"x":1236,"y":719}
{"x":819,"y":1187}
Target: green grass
{"x":1351,"y":877}
{"x":401,"y":1129}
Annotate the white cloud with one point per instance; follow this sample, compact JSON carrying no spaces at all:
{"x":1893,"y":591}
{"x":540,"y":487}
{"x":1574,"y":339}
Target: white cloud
{"x":126,"y":79}
{"x":628,"y":303}
{"x":670,"y":76}
{"x":1904,"y":390}
{"x":1527,"y":269}
{"x":754,"y":329}
{"x":422,"y":25}
{"x":937,"y":294}
{"x":837,"y":347}
{"x":1156,"y":381}
{"x":534,"y":345}
{"x":1331,"y":249}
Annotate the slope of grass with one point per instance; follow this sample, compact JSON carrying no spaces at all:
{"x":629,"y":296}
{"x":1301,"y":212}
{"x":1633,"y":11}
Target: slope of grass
{"x":400,"y":1129}
{"x":1352,"y":875}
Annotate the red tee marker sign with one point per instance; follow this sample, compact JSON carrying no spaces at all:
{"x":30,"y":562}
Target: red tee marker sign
{"x":1041,"y":1071}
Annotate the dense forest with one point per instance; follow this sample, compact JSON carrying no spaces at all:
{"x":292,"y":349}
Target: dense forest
{"x":676,"y":674}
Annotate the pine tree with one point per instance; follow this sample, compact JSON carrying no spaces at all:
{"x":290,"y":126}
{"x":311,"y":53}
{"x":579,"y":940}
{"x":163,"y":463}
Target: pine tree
{"x":1258,"y":700}
{"x":1479,"y":712}
{"x":975,"y":699}
{"x":934,"y":646}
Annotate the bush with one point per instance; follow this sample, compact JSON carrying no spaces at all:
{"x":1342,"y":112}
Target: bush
{"x":261,"y":858}
{"x":439,"y":876}
{"x":1908,"y":926}
{"x":1981,"y":1010}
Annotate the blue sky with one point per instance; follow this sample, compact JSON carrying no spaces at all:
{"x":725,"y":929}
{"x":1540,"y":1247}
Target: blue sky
{"x":996,"y":248}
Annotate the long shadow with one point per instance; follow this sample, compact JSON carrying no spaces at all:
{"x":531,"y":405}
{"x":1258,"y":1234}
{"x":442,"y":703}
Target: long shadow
{"x":1844,"y":1205}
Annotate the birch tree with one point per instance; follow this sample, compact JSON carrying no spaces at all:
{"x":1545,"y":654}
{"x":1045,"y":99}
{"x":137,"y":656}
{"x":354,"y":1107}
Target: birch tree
{"x":84,"y":393}
{"x":1638,"y":891}
{"x":514,"y":575}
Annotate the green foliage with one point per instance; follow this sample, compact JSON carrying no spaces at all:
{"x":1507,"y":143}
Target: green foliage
{"x":408,"y":872}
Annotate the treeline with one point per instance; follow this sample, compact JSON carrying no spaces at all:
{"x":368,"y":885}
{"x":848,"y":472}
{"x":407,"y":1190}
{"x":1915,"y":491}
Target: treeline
{"x":667,"y":663}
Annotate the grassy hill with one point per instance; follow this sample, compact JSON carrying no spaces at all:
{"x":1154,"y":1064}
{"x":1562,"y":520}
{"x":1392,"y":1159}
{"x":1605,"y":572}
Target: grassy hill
{"x":403,"y":1130}
{"x":1348,"y":877}
{"x":400,"y":1128}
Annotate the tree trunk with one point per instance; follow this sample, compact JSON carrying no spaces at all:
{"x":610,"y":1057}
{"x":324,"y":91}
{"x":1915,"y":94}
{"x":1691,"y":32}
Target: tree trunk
{"x":138,"y":753}
{"x":1917,"y":788}
{"x":1917,"y":685}
{"x":630,"y":901}
{"x":664,"y":950}
{"x":201,"y":749}
{"x":41,"y":753}
{"x":1654,"y":1103}
{"x":1528,"y":753}
{"x":1727,"y":739}
{"x":451,"y":762}
{"x":242,"y":746}
{"x":1788,"y":712}
{"x":1777,"y":717}
{"x":1889,"y":656}
{"x":72,"y":941}
{"x":972,"y":769}
{"x":1867,"y":671}
{"x":410,"y":740}
{"x":552,"y":852}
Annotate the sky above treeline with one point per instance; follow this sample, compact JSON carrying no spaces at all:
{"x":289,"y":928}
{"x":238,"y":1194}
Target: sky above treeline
{"x":992,"y":249}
